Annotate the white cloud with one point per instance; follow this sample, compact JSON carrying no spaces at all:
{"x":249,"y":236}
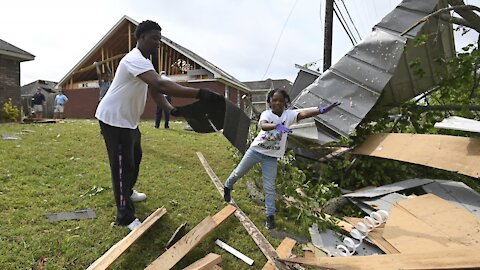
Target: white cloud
{"x":238,"y":36}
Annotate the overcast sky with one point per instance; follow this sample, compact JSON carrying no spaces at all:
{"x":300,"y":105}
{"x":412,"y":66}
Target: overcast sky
{"x":239,"y":36}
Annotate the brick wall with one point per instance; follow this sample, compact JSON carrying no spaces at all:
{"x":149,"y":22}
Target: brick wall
{"x":82,"y":103}
{"x":9,"y":80}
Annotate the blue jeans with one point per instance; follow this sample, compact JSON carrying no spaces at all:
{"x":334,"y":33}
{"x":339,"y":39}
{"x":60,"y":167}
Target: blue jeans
{"x":269,"y":173}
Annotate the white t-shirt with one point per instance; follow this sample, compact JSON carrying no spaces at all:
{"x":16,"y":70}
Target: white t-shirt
{"x":125,"y":100}
{"x":273,"y":143}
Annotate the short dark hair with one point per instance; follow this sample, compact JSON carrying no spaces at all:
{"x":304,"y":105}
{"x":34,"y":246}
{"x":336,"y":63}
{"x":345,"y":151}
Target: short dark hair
{"x":146,"y":26}
{"x":281,"y":91}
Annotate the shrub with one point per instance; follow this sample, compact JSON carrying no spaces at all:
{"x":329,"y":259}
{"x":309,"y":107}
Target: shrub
{"x":10,"y":112}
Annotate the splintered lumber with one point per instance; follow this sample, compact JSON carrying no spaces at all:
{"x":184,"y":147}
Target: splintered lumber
{"x":428,"y":222}
{"x":205,"y":263}
{"x":115,"y":251}
{"x":446,"y":259}
{"x":252,"y":230}
{"x":175,"y":253}
{"x":284,"y":250}
{"x":90,"y":67}
{"x":451,"y":153}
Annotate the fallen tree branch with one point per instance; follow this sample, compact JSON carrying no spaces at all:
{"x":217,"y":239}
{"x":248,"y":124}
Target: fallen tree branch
{"x":471,"y":17}
{"x":456,"y":8}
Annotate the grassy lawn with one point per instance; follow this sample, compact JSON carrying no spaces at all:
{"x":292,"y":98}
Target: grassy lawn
{"x":54,"y":164}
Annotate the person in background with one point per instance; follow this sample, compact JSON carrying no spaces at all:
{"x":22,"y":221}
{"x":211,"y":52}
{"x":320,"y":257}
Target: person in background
{"x":104,"y":79}
{"x":119,"y":114}
{"x":269,"y":146}
{"x":160,"y":111}
{"x":60,"y":101}
{"x":38,"y":100}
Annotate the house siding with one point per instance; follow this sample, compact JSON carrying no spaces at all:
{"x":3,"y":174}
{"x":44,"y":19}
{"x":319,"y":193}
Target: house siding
{"x":83,"y":102}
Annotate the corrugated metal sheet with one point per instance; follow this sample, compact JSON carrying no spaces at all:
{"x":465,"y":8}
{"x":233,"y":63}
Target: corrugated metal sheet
{"x":328,"y":240}
{"x":377,"y":66}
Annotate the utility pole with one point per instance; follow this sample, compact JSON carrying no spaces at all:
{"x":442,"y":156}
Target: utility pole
{"x":327,"y":41}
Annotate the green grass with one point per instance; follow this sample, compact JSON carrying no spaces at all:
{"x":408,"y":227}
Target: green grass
{"x":50,"y":168}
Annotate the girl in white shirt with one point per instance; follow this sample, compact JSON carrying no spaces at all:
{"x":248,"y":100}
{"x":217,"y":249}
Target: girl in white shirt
{"x":269,"y":145}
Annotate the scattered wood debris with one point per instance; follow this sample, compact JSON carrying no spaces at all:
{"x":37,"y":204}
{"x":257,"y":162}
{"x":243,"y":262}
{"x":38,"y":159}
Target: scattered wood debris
{"x":115,"y":251}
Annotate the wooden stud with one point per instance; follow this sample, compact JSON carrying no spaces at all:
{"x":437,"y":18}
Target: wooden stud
{"x":129,"y":36}
{"x":174,"y":254}
{"x":160,"y":57}
{"x":116,"y":250}
{"x":206,"y":263}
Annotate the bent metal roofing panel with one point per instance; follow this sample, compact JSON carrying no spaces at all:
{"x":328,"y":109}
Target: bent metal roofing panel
{"x":377,"y":70}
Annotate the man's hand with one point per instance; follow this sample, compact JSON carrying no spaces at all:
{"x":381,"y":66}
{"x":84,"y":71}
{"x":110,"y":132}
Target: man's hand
{"x":282,"y":129}
{"x":175,"y":112}
{"x":209,"y":95}
{"x":327,"y":108}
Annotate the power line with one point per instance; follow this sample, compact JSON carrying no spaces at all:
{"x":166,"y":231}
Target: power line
{"x":348,"y":13}
{"x":278,"y":40}
{"x":344,"y":25}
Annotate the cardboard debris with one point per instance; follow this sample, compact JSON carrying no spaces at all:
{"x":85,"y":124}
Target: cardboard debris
{"x":428,"y":222}
{"x":451,"y":153}
{"x":457,"y":193}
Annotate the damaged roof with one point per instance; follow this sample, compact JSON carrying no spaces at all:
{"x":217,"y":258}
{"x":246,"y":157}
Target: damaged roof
{"x":378,"y":70}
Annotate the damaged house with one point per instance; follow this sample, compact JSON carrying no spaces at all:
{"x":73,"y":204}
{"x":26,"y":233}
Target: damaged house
{"x":185,"y":67}
{"x":10,"y":59}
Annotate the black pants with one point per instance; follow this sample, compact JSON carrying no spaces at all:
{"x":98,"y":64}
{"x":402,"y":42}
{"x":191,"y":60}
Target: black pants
{"x":125,"y":154}
{"x":159,"y":112}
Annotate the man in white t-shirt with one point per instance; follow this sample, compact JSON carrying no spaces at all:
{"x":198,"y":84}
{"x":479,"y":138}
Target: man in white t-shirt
{"x":119,"y":113}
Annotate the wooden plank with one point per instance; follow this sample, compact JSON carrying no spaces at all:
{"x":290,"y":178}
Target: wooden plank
{"x":451,"y":153}
{"x":224,"y":214}
{"x":447,"y":259}
{"x":181,"y":248}
{"x":216,"y":267}
{"x":115,"y":251}
{"x":206,"y":263}
{"x":252,"y":230}
{"x":428,"y":222}
{"x":283,"y":250}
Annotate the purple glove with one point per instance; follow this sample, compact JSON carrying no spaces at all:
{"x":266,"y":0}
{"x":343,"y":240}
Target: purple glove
{"x":327,"y":108}
{"x":282,"y":129}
